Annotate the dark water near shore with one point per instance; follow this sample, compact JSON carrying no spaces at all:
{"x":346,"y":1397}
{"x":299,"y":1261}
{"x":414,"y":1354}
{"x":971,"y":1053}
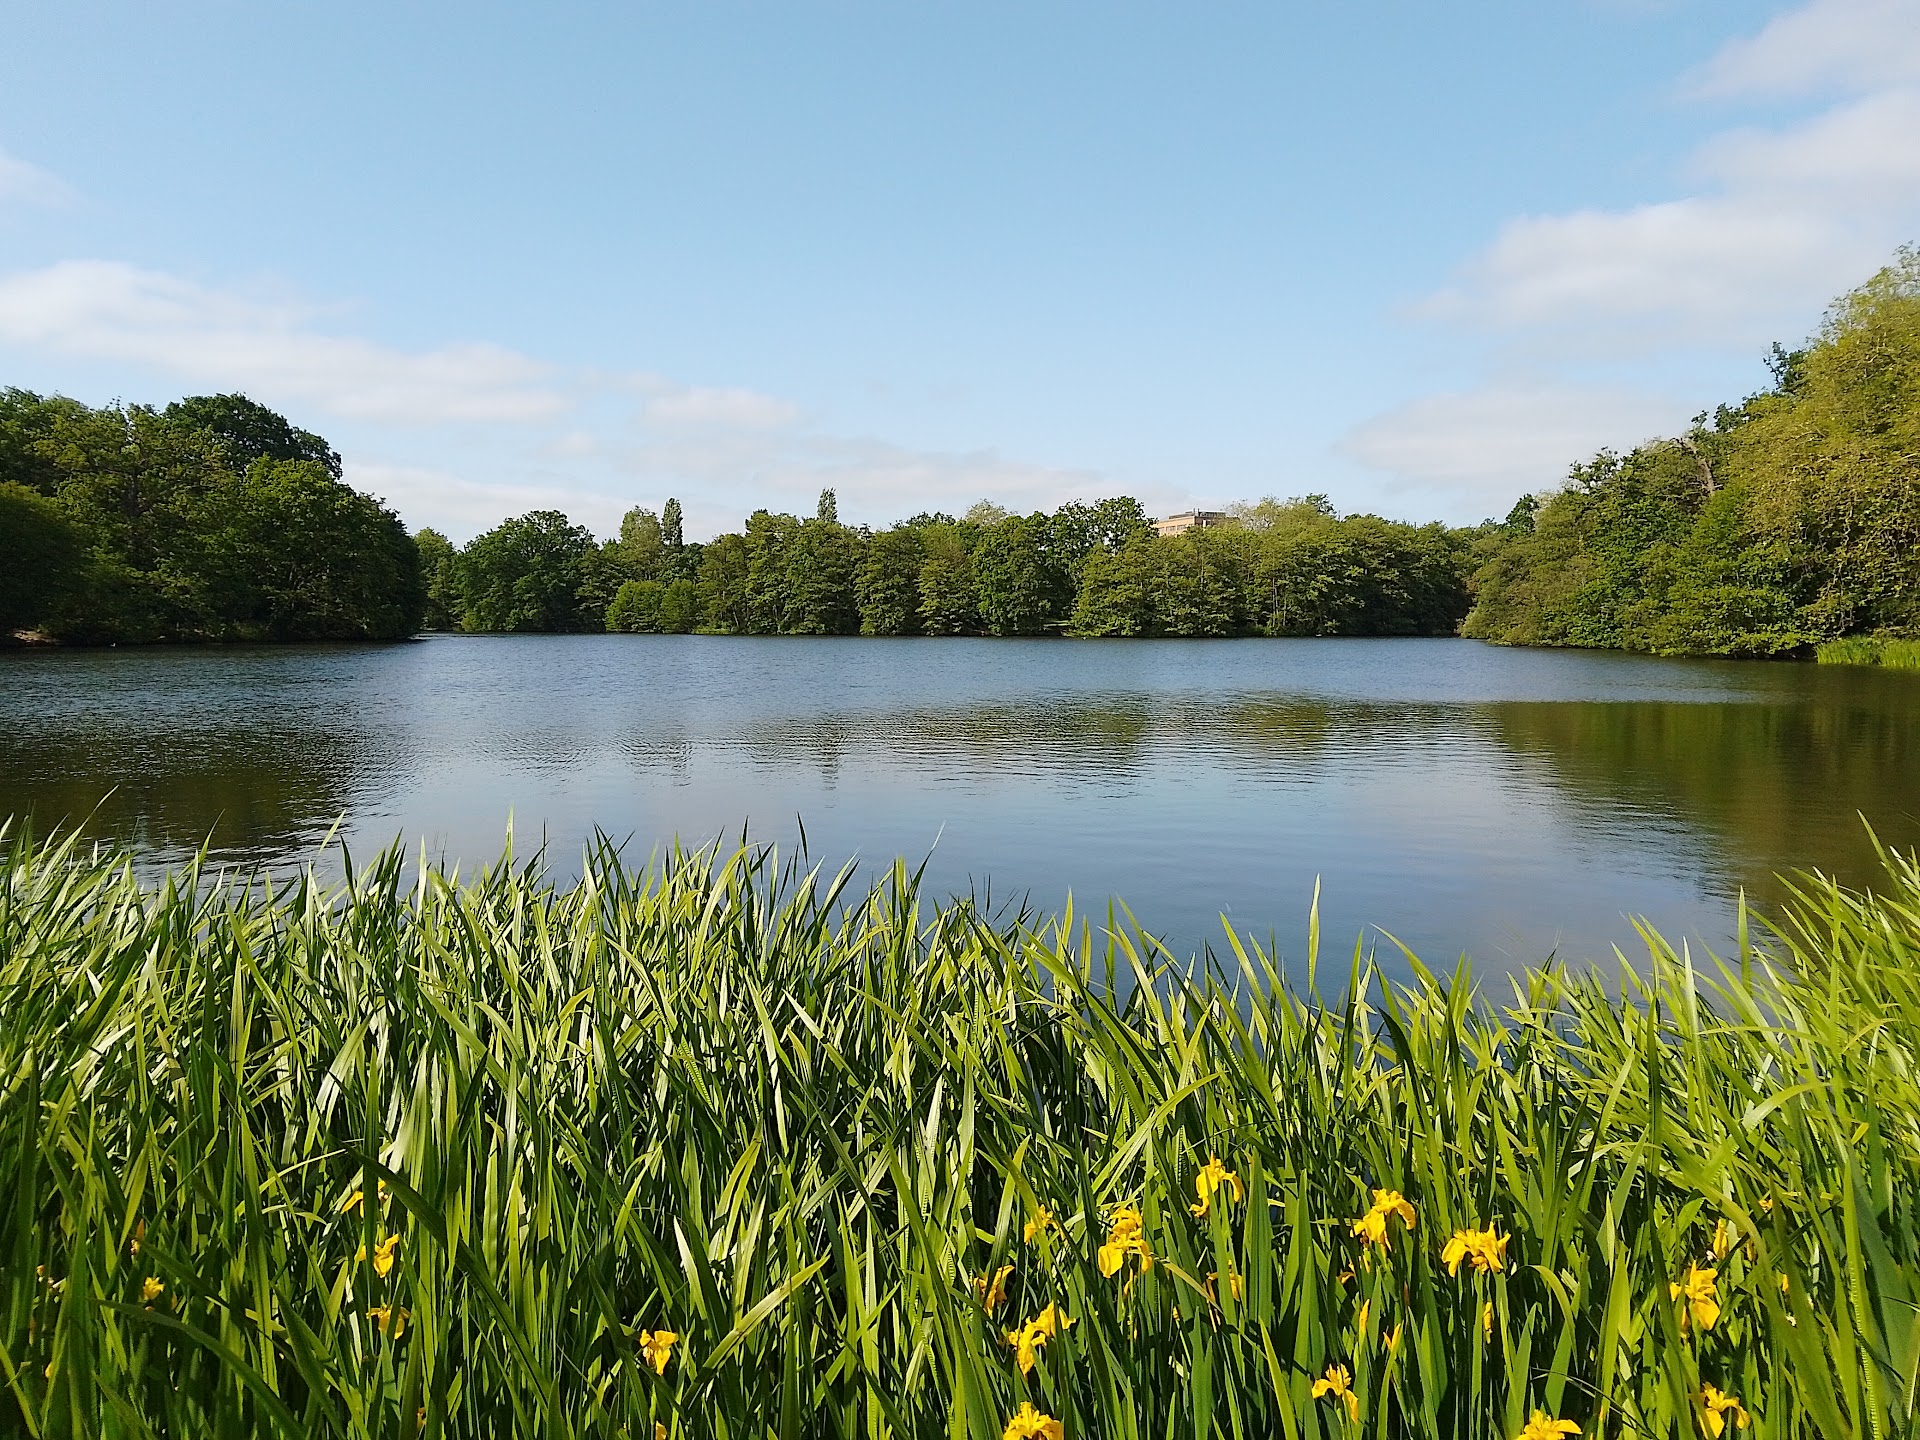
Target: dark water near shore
{"x":1501,"y":802}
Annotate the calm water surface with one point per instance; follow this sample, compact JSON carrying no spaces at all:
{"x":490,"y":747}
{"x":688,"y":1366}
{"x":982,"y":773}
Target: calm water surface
{"x":1506,"y":803}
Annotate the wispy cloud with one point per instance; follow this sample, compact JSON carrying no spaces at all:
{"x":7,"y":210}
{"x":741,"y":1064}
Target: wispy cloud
{"x":1791,"y":216}
{"x":1846,"y":45}
{"x":724,"y":449}
{"x":727,"y":408}
{"x":106,"y":310}
{"x":1781,"y":218}
{"x":22,"y":183}
{"x":751,"y":465}
{"x":462,"y":507}
{"x":1488,"y":445}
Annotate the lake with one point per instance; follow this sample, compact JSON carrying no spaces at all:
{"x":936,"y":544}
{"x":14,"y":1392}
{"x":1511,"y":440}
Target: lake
{"x":1504,"y":803}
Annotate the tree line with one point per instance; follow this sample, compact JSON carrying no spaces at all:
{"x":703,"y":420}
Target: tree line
{"x":1787,"y":520}
{"x":1771,"y":526}
{"x":1275,"y":568}
{"x":211,"y":519}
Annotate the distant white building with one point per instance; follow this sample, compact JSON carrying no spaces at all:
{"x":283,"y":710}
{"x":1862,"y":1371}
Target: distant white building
{"x":1189,"y":520}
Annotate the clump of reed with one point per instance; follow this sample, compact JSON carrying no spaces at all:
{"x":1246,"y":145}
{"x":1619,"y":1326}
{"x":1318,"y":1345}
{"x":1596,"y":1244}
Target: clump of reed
{"x":722,"y":1148}
{"x":1890,"y":651}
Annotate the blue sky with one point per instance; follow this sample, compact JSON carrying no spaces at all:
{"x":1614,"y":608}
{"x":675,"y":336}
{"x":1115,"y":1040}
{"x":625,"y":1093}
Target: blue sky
{"x":1419,"y":257}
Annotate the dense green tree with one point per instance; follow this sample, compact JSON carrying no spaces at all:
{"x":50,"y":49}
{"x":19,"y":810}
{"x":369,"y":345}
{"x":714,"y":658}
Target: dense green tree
{"x":527,"y":574}
{"x":249,"y":431}
{"x":1017,"y":587}
{"x":212,"y":519}
{"x":1116,"y":596}
{"x":949,"y":603}
{"x":1184,"y":585}
{"x":641,"y":551}
{"x":822,"y":559}
{"x":1791,"y":518}
{"x":41,"y":558}
{"x":770,"y":538}
{"x":676,"y":562}
{"x":680,"y":608}
{"x":439,"y":567}
{"x":291,"y":554}
{"x":888,"y":585}
{"x":636,"y":608}
{"x":726,"y":601}
{"x":1077,"y":530}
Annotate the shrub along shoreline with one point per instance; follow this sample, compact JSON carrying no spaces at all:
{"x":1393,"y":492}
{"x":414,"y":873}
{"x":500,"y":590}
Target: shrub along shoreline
{"x":721,"y":1148}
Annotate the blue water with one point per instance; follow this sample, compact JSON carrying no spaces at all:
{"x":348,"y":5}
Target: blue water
{"x":1462,"y":798}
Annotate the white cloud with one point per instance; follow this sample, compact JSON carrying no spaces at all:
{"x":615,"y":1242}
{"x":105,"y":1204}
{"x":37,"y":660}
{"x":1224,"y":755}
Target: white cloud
{"x":724,"y":449}
{"x":726,"y":408}
{"x":105,"y":310}
{"x":1788,"y":216}
{"x":1717,"y":270}
{"x":461,"y":508}
{"x":25,"y":184}
{"x":874,"y":479}
{"x":1483,"y":447}
{"x":1846,"y":45}
{"x":1863,"y":155}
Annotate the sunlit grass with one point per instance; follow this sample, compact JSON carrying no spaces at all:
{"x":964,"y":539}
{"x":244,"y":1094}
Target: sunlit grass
{"x":716,"y":1148}
{"x":1893,"y":653}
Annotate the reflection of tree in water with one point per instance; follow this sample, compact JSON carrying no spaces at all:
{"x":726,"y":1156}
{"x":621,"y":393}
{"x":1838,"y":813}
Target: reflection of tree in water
{"x":1094,"y":739}
{"x":1774,"y":787}
{"x":1061,"y":737}
{"x":255,"y":796}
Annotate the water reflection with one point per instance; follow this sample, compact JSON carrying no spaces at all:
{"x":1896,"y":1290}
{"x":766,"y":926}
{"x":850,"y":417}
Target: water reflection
{"x":1508,"y":803}
{"x":1769,"y":787}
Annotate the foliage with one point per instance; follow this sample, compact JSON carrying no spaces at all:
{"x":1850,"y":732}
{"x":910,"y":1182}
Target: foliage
{"x":729,"y":1150}
{"x":214,"y":519}
{"x":636,"y":608}
{"x":1788,"y":520}
{"x":1187,"y":585}
{"x":41,"y":553}
{"x":533,"y":572}
{"x":724,"y":599}
{"x":440,"y":570}
{"x":1887,"y":650}
{"x":887,"y":588}
{"x":1017,"y":589}
{"x":248,"y":431}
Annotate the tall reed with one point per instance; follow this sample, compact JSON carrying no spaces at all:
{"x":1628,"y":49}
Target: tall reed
{"x":413,"y":1155}
{"x":1885,"y":650}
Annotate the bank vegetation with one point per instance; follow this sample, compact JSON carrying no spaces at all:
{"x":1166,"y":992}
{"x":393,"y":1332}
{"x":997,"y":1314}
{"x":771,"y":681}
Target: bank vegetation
{"x":717,"y":1147}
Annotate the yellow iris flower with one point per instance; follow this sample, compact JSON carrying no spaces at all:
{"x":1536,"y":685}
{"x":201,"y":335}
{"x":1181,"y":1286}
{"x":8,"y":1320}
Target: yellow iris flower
{"x":993,"y":1292}
{"x":657,"y":1346}
{"x":1372,"y":1226}
{"x":1211,"y":1177}
{"x":1338,"y":1382}
{"x":1029,"y":1424}
{"x":1542,"y":1426}
{"x":1697,"y":1296}
{"x":1124,"y":1238}
{"x":150,"y":1291}
{"x":382,"y":1255}
{"x":1234,"y":1283}
{"x":1028,"y":1339}
{"x":391,"y":1322}
{"x":1042,"y":1218}
{"x":1714,"y":1406}
{"x":1484,"y":1249}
